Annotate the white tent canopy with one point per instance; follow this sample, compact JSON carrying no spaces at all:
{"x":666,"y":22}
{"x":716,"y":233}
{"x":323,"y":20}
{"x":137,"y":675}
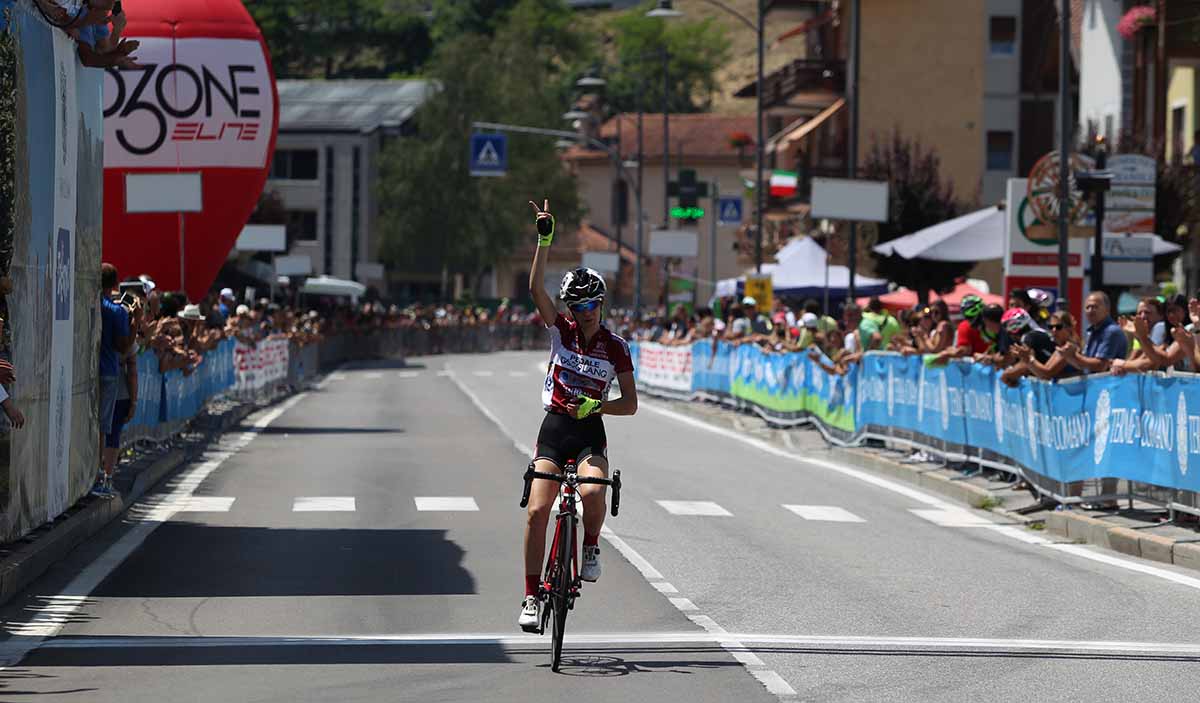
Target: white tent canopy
{"x":977,"y":236}
{"x":328,"y":285}
{"x":802,"y":271}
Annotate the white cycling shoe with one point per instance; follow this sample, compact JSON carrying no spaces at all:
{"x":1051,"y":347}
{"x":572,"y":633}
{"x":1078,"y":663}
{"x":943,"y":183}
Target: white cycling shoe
{"x":591,"y":564}
{"x":529,"y":620}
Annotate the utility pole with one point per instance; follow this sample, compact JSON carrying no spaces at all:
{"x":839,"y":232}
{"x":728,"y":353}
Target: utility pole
{"x":759,"y":197}
{"x":1064,"y":150}
{"x":852,"y":167}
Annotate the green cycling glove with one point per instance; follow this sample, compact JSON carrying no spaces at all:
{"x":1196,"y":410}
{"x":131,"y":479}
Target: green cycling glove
{"x":545,"y":227}
{"x":587,"y":406}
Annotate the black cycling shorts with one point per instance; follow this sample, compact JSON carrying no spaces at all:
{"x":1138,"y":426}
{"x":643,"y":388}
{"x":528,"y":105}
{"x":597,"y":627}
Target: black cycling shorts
{"x":563,"y":437}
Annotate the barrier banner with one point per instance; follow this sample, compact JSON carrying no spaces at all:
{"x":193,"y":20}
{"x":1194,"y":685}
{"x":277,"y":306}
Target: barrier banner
{"x":711,"y":369}
{"x":665,"y":368}
{"x":262,"y":364}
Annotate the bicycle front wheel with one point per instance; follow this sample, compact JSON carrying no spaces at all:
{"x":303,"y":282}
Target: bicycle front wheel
{"x":562,"y":589}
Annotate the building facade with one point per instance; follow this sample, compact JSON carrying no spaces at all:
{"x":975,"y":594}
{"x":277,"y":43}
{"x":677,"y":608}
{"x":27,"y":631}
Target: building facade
{"x":326,"y":166}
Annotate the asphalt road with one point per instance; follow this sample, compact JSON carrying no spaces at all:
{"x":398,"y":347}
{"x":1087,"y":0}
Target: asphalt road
{"x":308,"y":558}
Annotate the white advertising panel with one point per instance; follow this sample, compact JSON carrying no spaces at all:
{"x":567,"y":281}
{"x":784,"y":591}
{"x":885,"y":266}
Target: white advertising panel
{"x":847,"y":199}
{"x":1128,"y":260}
{"x":295,"y":265}
{"x":163,"y":192}
{"x":262,"y":238}
{"x":674,"y":242}
{"x":196,"y":103}
{"x":602,"y":261}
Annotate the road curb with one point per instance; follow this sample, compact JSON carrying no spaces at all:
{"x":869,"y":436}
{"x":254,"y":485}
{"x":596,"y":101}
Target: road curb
{"x":51,"y":543}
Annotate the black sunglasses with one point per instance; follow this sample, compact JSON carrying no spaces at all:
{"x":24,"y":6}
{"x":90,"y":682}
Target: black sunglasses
{"x":1058,"y":327}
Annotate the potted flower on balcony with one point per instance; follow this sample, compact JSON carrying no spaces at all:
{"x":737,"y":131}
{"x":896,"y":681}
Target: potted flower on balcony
{"x":1135,"y":20}
{"x":739,"y":141}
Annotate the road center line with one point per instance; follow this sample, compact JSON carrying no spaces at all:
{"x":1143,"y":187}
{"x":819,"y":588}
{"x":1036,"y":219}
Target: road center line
{"x":772,"y":681}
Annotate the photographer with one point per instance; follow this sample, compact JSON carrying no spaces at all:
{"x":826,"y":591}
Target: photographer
{"x":115,"y":342}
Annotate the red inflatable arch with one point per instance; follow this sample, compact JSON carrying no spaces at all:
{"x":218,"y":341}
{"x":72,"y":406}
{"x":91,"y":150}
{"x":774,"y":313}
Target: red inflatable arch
{"x":193,"y":130}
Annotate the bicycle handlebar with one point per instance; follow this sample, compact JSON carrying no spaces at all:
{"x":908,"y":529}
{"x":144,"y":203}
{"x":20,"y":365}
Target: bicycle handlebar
{"x":615,"y":482}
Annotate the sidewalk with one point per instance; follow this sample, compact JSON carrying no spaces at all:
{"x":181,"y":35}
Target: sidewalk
{"x":23,"y":561}
{"x":1140,"y":530}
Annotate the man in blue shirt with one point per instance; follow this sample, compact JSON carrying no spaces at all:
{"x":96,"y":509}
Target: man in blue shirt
{"x":115,"y":340}
{"x":1105,"y":340}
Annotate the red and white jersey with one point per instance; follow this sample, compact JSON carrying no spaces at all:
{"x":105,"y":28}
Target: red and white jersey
{"x":574,"y":370}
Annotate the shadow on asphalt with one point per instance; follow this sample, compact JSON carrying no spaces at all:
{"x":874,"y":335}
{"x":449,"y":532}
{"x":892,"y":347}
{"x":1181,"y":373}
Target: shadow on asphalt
{"x":130,"y":654}
{"x":187,"y":560}
{"x":11,"y":677}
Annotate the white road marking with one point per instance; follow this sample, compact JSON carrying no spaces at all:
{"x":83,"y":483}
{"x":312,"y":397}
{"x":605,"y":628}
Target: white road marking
{"x":444,"y":372}
{"x":374,"y":375}
{"x":337,"y":377}
{"x":48,"y":621}
{"x":826,"y":513}
{"x":207,"y":504}
{"x":960,"y":517}
{"x":694,"y":507}
{"x":746,"y":642}
{"x":926,"y":499}
{"x":482,"y":374}
{"x":664,"y":587}
{"x":408,"y":374}
{"x":684,"y":604}
{"x":446,"y":503}
{"x":631,"y":555}
{"x":323,"y":504}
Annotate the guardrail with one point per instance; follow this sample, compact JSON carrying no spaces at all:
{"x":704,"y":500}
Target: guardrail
{"x":1092,"y":438}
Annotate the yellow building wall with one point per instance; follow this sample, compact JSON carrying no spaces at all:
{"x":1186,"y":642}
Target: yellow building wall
{"x":923,"y":72}
{"x":1181,"y":91}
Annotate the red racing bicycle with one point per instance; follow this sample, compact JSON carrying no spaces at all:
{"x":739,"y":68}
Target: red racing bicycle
{"x":560,"y":581}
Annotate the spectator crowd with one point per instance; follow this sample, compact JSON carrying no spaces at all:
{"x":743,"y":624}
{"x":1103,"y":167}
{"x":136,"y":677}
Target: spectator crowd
{"x":1023,"y":338}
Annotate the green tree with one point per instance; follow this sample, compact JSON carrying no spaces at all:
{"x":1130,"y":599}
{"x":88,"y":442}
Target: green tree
{"x":453,"y":18}
{"x":434,"y":214}
{"x":696,"y":51}
{"x":917,"y":198}
{"x":346,"y":39}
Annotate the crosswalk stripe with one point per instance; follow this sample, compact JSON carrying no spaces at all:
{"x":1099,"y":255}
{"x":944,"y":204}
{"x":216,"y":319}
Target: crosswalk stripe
{"x":313,"y":504}
{"x":373,"y":376}
{"x":408,"y":374}
{"x":694,"y":507}
{"x":826,"y":513}
{"x":953,"y":517}
{"x":446,"y":503}
{"x":207,"y":504}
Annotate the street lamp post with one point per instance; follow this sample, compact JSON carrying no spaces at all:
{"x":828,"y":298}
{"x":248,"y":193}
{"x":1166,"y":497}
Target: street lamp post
{"x":759,"y":152}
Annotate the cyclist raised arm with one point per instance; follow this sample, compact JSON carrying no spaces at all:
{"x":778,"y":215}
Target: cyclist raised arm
{"x":585,"y":358}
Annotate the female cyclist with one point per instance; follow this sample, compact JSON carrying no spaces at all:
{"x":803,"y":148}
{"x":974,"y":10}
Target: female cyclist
{"x":585,"y":357}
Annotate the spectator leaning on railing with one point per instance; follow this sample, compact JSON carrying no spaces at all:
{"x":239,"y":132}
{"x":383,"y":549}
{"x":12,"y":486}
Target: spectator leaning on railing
{"x":1104,"y":342}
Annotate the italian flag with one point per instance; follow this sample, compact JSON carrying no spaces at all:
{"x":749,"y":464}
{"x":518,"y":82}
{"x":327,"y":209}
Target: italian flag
{"x":783,"y":184}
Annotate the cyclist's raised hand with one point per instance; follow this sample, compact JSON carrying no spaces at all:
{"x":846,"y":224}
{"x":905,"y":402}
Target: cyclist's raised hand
{"x":545,"y":223}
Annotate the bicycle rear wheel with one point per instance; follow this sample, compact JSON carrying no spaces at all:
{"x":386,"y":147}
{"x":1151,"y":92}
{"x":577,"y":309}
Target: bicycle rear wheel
{"x":562,"y":589}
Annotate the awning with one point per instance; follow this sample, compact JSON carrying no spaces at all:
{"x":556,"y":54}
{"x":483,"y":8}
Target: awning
{"x":328,"y":285}
{"x":803,"y":127}
{"x":905,"y":299}
{"x":978,"y":236}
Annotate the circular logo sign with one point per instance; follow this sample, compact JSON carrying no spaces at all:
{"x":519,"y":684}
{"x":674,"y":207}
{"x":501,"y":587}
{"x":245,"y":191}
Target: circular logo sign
{"x":1043,"y":191}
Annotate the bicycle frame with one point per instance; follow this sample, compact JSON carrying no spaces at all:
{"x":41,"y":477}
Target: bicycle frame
{"x":566,"y":511}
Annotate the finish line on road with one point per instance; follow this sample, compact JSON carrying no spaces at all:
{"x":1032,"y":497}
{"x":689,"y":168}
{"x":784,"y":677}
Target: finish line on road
{"x":761,"y":642}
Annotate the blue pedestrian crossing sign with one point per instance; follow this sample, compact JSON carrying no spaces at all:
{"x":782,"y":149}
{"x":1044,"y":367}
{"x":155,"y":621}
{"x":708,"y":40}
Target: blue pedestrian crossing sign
{"x":729,"y":211}
{"x":489,"y":154}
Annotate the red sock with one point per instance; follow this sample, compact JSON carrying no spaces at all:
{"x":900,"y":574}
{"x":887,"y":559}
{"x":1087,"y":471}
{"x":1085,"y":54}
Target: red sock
{"x":532,"y":581}
{"x":590,"y":540}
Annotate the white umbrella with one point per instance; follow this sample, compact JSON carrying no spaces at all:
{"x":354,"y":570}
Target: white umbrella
{"x":977,"y":236}
{"x":328,"y":285}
